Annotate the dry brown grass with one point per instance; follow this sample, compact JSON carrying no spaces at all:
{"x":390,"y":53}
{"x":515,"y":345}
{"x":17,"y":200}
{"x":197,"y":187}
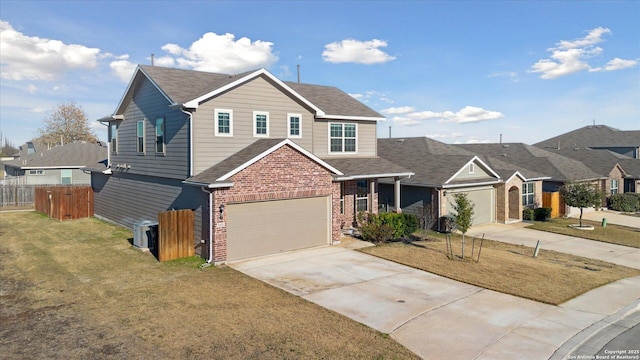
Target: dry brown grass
{"x":551,"y":278}
{"x":77,"y":289}
{"x":614,"y":234}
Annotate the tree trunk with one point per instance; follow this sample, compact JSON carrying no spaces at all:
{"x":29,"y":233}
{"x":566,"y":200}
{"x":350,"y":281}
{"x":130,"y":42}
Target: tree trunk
{"x":462,"y":246}
{"x":580,"y":217}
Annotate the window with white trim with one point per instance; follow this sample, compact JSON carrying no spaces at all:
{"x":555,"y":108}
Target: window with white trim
{"x":260,"y":124}
{"x":528,"y":195}
{"x":224,"y":122}
{"x":614,"y":186}
{"x":362,"y":195}
{"x":140,"y":136}
{"x":342,"y":138}
{"x":36,"y":172}
{"x":294,"y":125}
{"x":114,"y":137}
{"x":160,"y":148}
{"x":66,"y":176}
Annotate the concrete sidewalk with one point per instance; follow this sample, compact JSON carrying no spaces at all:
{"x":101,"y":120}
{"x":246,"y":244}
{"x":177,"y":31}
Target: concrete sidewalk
{"x":434,"y":316}
{"x":518,"y":234}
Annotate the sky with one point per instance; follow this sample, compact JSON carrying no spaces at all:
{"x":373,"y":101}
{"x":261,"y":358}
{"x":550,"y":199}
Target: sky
{"x":455,"y":71}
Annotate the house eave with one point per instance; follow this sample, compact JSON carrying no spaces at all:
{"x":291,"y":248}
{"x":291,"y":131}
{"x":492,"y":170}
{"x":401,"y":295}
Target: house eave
{"x":374,"y":176}
{"x":350,"y":118}
{"x":215,"y":185}
{"x":453,"y":186}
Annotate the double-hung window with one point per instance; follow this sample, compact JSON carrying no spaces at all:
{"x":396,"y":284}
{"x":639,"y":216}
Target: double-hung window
{"x":36,"y":172}
{"x":140,"y":133}
{"x":294,"y":125}
{"x":342,"y":138}
{"x":614,"y":186}
{"x":260,"y":124}
{"x":65,"y":176}
{"x":224,"y":122}
{"x":362,"y":195}
{"x":114,"y":137}
{"x":528,"y":194}
{"x":160,"y":135}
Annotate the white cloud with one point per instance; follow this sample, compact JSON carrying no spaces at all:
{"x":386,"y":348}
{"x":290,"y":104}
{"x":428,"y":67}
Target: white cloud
{"x":445,"y":136}
{"x":220,"y":53}
{"x":34,"y":58}
{"x":468,"y":114}
{"x":569,"y":57}
{"x":356,"y":96}
{"x":123,"y":69}
{"x":354,"y":51}
{"x":405,"y":121}
{"x":398,"y":110}
{"x":512,"y":75}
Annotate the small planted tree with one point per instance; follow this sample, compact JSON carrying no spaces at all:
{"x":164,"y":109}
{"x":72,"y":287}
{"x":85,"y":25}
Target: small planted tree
{"x":464,"y":214}
{"x":581,"y":195}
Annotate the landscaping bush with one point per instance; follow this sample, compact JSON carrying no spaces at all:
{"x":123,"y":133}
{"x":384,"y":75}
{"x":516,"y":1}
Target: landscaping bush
{"x":387,"y":226}
{"x":542,"y":214}
{"x":627,"y":202}
{"x":528,"y":214}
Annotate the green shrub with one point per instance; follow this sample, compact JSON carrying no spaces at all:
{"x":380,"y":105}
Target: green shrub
{"x":627,"y":202}
{"x":528,"y":214}
{"x":387,"y":226}
{"x":542,"y":214}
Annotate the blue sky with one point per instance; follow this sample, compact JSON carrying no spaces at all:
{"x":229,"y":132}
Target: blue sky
{"x":456,"y":71}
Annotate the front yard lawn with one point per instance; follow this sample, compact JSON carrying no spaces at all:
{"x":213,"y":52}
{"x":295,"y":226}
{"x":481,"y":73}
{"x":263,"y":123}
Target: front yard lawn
{"x":78,"y":290}
{"x":551,"y":278}
{"x":614,"y":234}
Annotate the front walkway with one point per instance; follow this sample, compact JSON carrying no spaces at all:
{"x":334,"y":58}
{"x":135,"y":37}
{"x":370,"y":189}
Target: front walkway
{"x":431,"y":315}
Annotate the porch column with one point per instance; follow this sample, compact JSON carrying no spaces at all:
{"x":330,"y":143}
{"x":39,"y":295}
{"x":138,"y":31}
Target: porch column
{"x":396,"y":194}
{"x":372,"y":192}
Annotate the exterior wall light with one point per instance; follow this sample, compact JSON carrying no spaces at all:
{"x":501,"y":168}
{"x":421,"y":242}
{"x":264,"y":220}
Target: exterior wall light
{"x":221,"y":211}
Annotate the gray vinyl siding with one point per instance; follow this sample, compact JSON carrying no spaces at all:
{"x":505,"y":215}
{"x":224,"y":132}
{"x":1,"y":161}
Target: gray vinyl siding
{"x":147,"y":105}
{"x":366,"y":138}
{"x":412,"y":198}
{"x":127,"y":199}
{"x":479,"y":173}
{"x":256,"y":95}
{"x":53,"y":177}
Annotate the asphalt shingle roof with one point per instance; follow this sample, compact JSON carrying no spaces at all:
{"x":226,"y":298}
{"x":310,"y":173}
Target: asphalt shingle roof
{"x":332,"y":100}
{"x":366,"y":167}
{"x":557,"y":167}
{"x":593,"y":136}
{"x":74,"y":155}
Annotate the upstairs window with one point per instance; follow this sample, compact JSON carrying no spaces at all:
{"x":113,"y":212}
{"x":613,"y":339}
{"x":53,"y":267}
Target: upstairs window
{"x":114,"y":137}
{"x":260,"y":124}
{"x":224,"y":122}
{"x":65,"y":176}
{"x":614,"y":187}
{"x":528,"y":196}
{"x":140,"y":133}
{"x":36,"y":172}
{"x":294,"y":125}
{"x":160,"y":135}
{"x":342,"y":138}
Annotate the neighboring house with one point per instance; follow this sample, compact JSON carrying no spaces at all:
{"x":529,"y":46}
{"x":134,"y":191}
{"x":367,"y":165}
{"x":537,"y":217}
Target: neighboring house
{"x":266,"y":165}
{"x":557,"y":169}
{"x":624,"y":142}
{"x":499,"y":190}
{"x":59,"y":165}
{"x":610,"y":152}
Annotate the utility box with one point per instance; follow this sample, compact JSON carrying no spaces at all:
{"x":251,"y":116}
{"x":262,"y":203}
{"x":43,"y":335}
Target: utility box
{"x":145,"y":234}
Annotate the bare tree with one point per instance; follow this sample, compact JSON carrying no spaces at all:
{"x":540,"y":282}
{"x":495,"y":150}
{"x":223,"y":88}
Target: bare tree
{"x":67,"y":123}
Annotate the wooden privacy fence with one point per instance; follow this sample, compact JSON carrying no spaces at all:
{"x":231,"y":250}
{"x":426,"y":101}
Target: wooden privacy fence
{"x":65,"y":202}
{"x":175,"y":234}
{"x":17,"y":195}
{"x":554,"y":201}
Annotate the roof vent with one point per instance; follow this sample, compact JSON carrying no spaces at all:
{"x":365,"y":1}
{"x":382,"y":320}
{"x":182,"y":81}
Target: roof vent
{"x":401,"y":140}
{"x":576,"y":149}
{"x":505,"y":145}
{"x":505,"y":155}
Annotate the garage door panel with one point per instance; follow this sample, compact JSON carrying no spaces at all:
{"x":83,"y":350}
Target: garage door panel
{"x":484,"y":204}
{"x":268,"y":227}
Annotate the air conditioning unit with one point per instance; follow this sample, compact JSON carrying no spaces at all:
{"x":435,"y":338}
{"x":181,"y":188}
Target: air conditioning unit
{"x":144,"y":234}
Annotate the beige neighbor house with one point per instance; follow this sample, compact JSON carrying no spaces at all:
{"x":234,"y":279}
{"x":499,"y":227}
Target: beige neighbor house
{"x":498,"y":189}
{"x":266,"y":165}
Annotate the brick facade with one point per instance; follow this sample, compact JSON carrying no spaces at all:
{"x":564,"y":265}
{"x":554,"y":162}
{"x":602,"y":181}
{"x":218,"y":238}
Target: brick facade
{"x":283,"y":174}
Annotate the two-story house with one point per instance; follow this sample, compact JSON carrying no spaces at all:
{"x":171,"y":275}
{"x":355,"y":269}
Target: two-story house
{"x":266,"y":165}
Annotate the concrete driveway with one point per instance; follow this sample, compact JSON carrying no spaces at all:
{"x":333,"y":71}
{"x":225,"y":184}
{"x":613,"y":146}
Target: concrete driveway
{"x":433,"y":316}
{"x":613,"y":217}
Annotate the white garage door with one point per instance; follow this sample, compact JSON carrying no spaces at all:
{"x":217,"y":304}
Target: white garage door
{"x":269,"y":227}
{"x":484,"y":204}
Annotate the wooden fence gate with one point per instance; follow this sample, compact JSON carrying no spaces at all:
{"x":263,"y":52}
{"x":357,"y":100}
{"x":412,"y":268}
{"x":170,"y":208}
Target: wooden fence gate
{"x":554,"y":201}
{"x":65,"y":202}
{"x":175,"y":234}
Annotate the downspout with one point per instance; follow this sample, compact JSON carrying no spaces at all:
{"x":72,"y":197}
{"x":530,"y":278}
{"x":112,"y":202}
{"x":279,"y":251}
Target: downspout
{"x":188,"y":113}
{"x":439,"y":210}
{"x":205,"y":190}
